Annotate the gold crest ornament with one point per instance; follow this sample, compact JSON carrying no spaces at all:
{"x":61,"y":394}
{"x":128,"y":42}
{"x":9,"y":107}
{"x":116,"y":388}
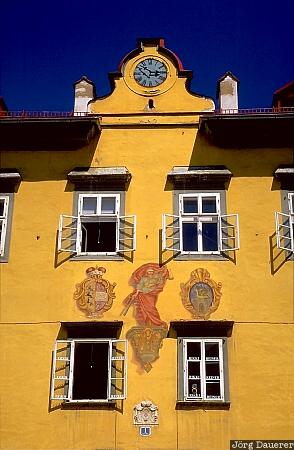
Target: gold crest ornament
{"x":94,"y":295}
{"x":201,"y":295}
{"x":146,"y":342}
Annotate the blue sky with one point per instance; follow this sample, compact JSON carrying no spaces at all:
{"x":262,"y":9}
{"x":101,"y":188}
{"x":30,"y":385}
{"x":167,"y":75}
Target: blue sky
{"x":46,"y":46}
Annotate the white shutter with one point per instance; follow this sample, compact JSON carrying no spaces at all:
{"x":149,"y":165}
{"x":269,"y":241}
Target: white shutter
{"x":229,"y":232}
{"x":284,"y":231}
{"x":68,"y":233}
{"x":62,"y":370}
{"x":3,"y":224}
{"x":117,"y":379}
{"x":171,"y":236}
{"x":127,"y":233}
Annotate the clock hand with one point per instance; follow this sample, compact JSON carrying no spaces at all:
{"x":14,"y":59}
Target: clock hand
{"x":144,"y":73}
{"x":156,"y":72}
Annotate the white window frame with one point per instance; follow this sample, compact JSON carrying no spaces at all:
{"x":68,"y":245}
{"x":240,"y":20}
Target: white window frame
{"x":291,"y":203}
{"x":227,"y":226}
{"x":200,"y":218}
{"x":204,"y":379}
{"x":62,"y":385}
{"x":4,"y":223}
{"x":99,"y":216}
{"x":285,"y":226}
{"x":70,"y":227}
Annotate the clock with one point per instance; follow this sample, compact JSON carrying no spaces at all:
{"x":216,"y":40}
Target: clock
{"x":150,"y":72}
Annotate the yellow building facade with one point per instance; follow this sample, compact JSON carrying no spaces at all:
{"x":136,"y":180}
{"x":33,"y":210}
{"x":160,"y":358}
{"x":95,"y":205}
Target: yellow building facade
{"x":146,"y":279}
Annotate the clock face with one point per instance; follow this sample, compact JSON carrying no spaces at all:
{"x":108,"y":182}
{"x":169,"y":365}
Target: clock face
{"x":150,"y":72}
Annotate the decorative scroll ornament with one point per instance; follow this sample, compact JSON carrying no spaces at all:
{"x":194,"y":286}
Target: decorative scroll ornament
{"x":145,"y":413}
{"x":94,"y":295}
{"x":201,"y":295}
{"x":146,"y":342}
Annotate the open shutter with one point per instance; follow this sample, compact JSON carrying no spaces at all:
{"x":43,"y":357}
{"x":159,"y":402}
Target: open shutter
{"x":68,"y":233}
{"x":117,"y":380}
{"x":3,"y":223}
{"x":127,"y":233}
{"x":171,"y":236}
{"x":185,"y":371}
{"x":284,"y":231}
{"x":62,"y":369}
{"x":229,"y":232}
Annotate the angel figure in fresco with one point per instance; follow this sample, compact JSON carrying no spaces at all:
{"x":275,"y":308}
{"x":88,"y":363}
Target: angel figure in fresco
{"x":148,"y":281}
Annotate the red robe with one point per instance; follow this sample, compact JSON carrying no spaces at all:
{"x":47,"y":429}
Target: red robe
{"x":144,"y":297}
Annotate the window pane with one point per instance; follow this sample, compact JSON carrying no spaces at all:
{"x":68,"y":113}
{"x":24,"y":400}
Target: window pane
{"x":194,"y":369}
{"x":89,"y":205}
{"x":108,"y":205}
{"x":2,"y":207}
{"x":211,"y":351}
{"x":190,"y":242}
{"x":194,"y":388}
{"x":213,"y":390}
{"x":194,"y":350}
{"x":209,"y":236}
{"x":90,"y":378}
{"x":190,"y":205}
{"x":212,"y":369}
{"x":209,"y":204}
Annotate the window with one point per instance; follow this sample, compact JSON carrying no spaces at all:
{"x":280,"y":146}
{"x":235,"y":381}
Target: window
{"x":89,"y":370}
{"x":9,"y":182}
{"x":99,"y":228}
{"x":202,"y":370}
{"x":199,"y":227}
{"x":285,"y":223}
{"x":4,"y":203}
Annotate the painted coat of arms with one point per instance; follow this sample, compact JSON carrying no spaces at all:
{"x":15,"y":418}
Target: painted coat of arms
{"x":94,"y":295}
{"x":201,"y":295}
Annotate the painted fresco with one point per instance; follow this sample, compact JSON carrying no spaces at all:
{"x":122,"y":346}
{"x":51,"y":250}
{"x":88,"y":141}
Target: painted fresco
{"x":94,"y":295}
{"x":146,"y":338}
{"x":201,"y":295}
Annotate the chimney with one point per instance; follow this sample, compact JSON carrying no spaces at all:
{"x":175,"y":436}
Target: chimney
{"x":84,"y":92}
{"x":227,"y":93}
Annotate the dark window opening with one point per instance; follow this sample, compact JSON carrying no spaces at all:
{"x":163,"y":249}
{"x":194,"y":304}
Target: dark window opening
{"x":1,"y":207}
{"x":90,"y":377}
{"x":98,"y":237}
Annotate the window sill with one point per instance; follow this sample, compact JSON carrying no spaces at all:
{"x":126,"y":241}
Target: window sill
{"x":97,"y":258}
{"x":202,"y":404}
{"x":111,"y":404}
{"x":200,"y":257}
